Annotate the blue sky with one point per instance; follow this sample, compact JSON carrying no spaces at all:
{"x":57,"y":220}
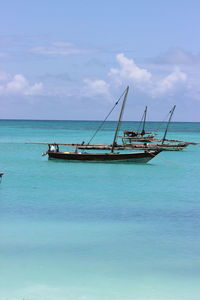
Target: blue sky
{"x":72,"y":59}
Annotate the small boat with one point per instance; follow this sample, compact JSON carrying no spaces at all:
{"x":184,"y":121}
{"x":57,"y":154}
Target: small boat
{"x":112,"y":156}
{"x":163,"y":147}
{"x":172,"y":145}
{"x":54,"y":147}
{"x":178,"y":143}
{"x":136,"y":157}
{"x":127,"y":139}
{"x":137,"y":136}
{"x":130,"y":146}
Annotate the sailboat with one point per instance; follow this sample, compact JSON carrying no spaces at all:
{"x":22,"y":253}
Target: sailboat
{"x":137,"y":146}
{"x":172,"y":145}
{"x":112,"y":156}
{"x":134,"y":136}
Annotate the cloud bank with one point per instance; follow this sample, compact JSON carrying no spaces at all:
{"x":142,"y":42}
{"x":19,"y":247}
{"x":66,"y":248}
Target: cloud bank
{"x":174,"y":81}
{"x":143,"y":80}
{"x":18,"y":85}
{"x":170,"y":83}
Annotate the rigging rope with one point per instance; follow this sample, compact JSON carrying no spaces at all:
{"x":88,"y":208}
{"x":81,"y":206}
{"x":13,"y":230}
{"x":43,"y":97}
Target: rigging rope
{"x":141,"y":122}
{"x":164,"y":120}
{"x":101,"y":125}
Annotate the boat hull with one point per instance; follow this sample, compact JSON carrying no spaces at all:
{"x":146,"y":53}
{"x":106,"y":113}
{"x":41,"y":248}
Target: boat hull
{"x":143,"y":157}
{"x":155,"y":147}
{"x":134,"y":146}
{"x":137,"y":139}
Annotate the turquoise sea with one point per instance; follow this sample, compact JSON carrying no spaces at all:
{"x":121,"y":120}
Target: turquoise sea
{"x":97,"y":231}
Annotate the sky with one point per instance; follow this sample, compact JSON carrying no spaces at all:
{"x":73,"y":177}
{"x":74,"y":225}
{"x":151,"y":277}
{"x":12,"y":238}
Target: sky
{"x":71,"y":60}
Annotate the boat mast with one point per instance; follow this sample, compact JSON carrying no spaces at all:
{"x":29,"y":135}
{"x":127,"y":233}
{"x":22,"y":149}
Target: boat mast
{"x":171,"y":113}
{"x":145,"y":115}
{"x":120,"y":117}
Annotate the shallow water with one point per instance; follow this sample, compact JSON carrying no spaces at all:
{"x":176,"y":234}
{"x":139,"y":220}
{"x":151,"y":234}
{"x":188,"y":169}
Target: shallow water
{"x":95,"y":231}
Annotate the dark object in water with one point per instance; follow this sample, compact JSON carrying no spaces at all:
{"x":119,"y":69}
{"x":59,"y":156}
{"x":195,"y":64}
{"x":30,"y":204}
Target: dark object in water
{"x":135,"y":157}
{"x":140,"y":136}
{"x":1,"y":175}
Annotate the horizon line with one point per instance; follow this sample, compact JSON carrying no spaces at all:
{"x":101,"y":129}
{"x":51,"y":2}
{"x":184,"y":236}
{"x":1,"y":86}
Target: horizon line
{"x":76,"y":120}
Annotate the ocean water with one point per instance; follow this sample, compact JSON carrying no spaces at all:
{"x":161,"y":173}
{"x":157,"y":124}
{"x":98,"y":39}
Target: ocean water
{"x":97,"y":231}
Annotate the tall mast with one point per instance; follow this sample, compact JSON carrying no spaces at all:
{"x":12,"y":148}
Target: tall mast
{"x":120,"y":117}
{"x":145,"y":115}
{"x":171,"y":113}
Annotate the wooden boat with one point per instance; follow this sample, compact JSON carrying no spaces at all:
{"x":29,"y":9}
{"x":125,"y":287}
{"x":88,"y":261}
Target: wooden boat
{"x":134,"y":146}
{"x":112,"y":156}
{"x":175,"y":145}
{"x":178,"y":141}
{"x":135,"y":136}
{"x":121,"y":147}
{"x":136,"y":157}
{"x":127,"y":139}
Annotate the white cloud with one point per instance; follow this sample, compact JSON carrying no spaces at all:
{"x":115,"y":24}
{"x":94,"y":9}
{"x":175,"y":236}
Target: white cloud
{"x":58,"y":48}
{"x":169,"y":83}
{"x":147,"y":82}
{"x":96,"y":88}
{"x":153,"y":84}
{"x":128,"y":70}
{"x":19,"y":85}
{"x":193,"y":87}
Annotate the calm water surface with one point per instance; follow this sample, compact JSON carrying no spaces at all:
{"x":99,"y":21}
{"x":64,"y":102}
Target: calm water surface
{"x":95,"y":231}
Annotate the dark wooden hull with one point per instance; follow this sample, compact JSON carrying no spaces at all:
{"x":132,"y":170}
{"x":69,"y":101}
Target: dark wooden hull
{"x":143,"y":157}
